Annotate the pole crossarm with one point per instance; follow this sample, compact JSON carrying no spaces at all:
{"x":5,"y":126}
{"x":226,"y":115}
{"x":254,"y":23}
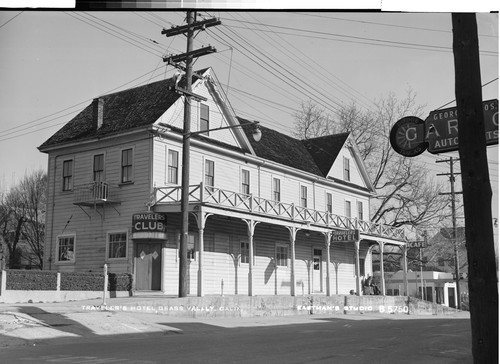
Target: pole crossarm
{"x":192,"y":54}
{"x":199,"y":25}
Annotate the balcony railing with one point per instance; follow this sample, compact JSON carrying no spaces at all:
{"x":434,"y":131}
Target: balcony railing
{"x":94,"y":193}
{"x":249,"y":203}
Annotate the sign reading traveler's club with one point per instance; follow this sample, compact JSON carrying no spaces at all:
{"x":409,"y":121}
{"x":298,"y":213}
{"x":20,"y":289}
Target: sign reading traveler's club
{"x":152,"y":225}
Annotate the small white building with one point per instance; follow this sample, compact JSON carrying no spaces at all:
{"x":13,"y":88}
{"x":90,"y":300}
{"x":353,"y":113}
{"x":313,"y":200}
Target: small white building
{"x":265,"y":216}
{"x":437,"y":287}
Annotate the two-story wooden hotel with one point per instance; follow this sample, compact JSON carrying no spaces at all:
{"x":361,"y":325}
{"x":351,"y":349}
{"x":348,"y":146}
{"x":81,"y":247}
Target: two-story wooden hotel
{"x":279,"y":216}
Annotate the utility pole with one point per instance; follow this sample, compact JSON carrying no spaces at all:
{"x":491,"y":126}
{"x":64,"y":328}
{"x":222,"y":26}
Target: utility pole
{"x":187,"y":58}
{"x":483,"y":281}
{"x":452,"y":194}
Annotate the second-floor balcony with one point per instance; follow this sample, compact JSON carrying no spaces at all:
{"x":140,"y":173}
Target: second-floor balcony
{"x":95,"y":194}
{"x":260,"y":206}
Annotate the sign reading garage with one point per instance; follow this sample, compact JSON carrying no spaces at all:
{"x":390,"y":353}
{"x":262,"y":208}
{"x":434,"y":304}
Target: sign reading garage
{"x":149,"y":225}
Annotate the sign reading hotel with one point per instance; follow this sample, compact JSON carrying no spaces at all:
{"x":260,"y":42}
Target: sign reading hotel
{"x":442,"y":127}
{"x":345,"y":235}
{"x":149,"y":225}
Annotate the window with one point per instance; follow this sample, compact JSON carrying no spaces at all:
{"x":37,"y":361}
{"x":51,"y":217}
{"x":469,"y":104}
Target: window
{"x":347,"y":169}
{"x":117,"y":245}
{"x":209,"y":242}
{"x":317,"y":258}
{"x":127,"y":165}
{"x":66,"y":249}
{"x":99,"y":168}
{"x":348,"y":208}
{"x":281,"y":256}
{"x":204,"y":118}
{"x":362,"y":267}
{"x":360,"y":210}
{"x":244,"y":251}
{"x":68,"y":175}
{"x":191,"y":246}
{"x":209,"y":173}
{"x":303,"y":196}
{"x":245,"y":182}
{"x":329,"y":202}
{"x":173,"y":166}
{"x":276,"y":189}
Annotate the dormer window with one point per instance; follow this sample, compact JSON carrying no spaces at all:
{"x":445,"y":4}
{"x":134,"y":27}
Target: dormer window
{"x":347,"y":169}
{"x":204,"y":118}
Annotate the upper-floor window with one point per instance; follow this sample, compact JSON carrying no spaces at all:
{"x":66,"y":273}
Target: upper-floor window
{"x":127,"y":163}
{"x":329,"y":202}
{"x":347,"y":169}
{"x":173,"y":166}
{"x":209,"y":173}
{"x":99,"y":168}
{"x":348,"y":208}
{"x":360,"y":210}
{"x":204,"y":117}
{"x":276,"y":190}
{"x":303,"y":196}
{"x":67,"y":175}
{"x":245,"y":181}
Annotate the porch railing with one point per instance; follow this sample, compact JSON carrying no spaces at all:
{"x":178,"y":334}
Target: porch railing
{"x":249,"y":203}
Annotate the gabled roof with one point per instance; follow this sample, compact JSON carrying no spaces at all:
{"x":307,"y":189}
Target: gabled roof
{"x":125,"y":110}
{"x":142,"y":106}
{"x":325,"y":150}
{"x":282,"y":149}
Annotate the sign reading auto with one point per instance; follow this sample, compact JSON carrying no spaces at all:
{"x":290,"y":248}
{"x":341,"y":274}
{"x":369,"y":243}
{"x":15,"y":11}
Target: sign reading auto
{"x":149,"y":222}
{"x":442,"y":127}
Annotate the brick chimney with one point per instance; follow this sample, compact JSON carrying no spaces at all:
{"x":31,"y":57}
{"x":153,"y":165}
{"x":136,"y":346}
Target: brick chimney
{"x":98,"y":112}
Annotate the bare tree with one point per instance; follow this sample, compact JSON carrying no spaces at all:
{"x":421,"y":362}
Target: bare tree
{"x":22,"y":220}
{"x":406,"y":195}
{"x":311,"y":121}
{"x":33,"y":195}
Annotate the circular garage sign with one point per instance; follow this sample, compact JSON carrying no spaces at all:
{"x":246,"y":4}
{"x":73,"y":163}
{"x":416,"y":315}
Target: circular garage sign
{"x":408,"y":137}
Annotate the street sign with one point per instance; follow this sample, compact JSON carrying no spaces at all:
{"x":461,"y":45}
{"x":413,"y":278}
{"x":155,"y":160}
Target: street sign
{"x":442,"y":127}
{"x":408,"y":136}
{"x":345,"y":235}
{"x":416,"y":244}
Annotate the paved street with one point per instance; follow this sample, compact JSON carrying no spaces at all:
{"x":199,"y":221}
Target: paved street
{"x":291,"y":339}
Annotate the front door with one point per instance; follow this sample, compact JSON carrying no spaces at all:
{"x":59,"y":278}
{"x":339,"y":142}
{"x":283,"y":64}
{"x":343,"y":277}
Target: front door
{"x":148,"y":267}
{"x":317,"y":265}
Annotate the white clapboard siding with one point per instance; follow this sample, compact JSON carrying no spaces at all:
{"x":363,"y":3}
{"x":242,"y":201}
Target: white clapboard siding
{"x":337,"y":170}
{"x":90,"y":225}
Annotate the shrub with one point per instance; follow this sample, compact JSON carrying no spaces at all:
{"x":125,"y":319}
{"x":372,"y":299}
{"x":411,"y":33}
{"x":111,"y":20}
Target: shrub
{"x":79,"y":281}
{"x":31,"y":280}
{"x":119,"y":282}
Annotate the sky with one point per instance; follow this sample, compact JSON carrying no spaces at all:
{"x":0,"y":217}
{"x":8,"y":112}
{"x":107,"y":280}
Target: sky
{"x":53,"y":63}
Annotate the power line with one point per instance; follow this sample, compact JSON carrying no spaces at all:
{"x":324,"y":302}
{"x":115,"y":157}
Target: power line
{"x":8,"y":21}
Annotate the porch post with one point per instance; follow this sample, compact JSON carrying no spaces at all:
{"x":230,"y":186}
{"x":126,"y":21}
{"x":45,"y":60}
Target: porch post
{"x":251,"y":230}
{"x":293,"y":234}
{"x":201,"y":218}
{"x":358,"y":271}
{"x":328,"y":236}
{"x":382,"y":277}
{"x":405,"y":270}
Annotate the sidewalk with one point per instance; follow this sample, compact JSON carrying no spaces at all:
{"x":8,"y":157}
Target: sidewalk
{"x":32,"y":323}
